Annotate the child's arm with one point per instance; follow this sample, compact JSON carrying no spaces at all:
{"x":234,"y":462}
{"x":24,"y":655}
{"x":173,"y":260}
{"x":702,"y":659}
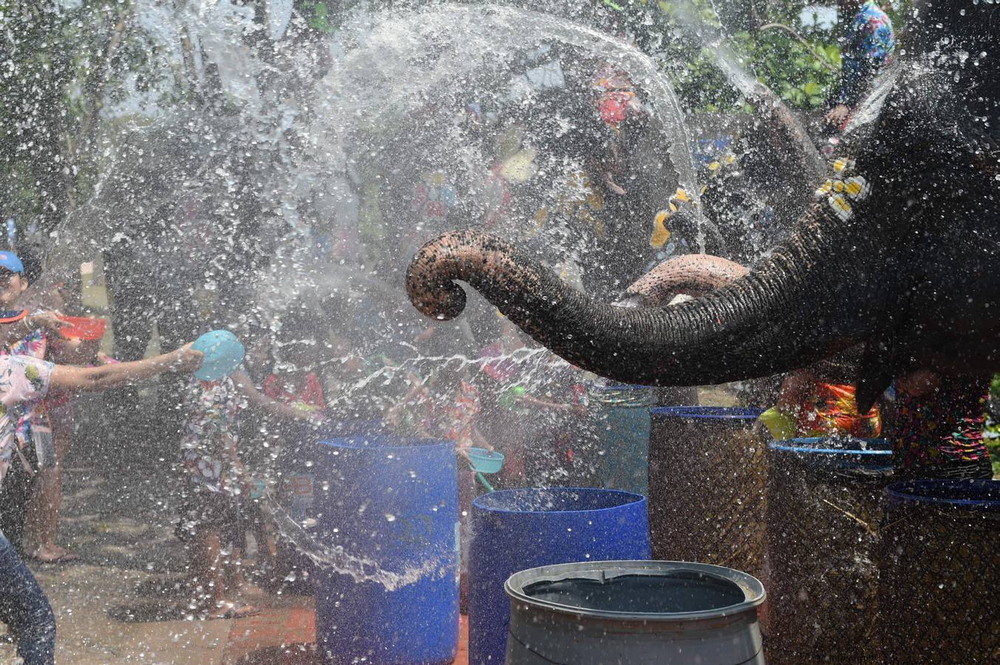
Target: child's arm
{"x":15,"y":328}
{"x":184,"y":359}
{"x":259,"y":400}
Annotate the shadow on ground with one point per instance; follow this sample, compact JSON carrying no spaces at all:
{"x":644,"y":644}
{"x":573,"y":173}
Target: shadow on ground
{"x":289,"y":654}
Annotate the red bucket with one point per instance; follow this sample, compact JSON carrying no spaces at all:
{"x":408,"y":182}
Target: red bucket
{"x":83,"y":327}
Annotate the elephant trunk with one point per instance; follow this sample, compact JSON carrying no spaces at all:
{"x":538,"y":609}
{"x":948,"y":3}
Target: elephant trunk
{"x":772,"y":320}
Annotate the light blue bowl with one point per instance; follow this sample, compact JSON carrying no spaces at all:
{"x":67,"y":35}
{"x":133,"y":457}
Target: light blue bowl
{"x":485,"y":461}
{"x":223,"y":354}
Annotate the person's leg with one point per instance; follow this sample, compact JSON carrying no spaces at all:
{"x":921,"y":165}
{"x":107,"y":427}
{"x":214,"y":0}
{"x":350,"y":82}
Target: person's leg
{"x":41,"y":520}
{"x":204,"y":552}
{"x":15,"y":492}
{"x":25,"y":609}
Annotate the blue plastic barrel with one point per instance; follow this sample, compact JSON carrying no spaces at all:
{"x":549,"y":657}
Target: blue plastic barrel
{"x":525,"y":528}
{"x":824,"y":511}
{"x":297,"y":459}
{"x":393,"y":502}
{"x":707,"y":475}
{"x":622,"y":415}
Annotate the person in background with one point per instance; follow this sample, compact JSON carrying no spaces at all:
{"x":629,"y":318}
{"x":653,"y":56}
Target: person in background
{"x":294,"y":383}
{"x":867,"y":46}
{"x":213,"y":520}
{"x":41,"y":522}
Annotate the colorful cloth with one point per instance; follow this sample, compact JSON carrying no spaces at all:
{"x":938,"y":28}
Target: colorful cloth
{"x":832,"y":410}
{"x":22,"y":379}
{"x":307,"y":397}
{"x":455,"y":420}
{"x":209,"y":443}
{"x":868,"y":46}
{"x":943,"y":429}
{"x":33,"y":414}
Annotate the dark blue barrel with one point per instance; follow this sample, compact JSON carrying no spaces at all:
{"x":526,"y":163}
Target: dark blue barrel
{"x":940,"y":572}
{"x":824,"y":512}
{"x":622,"y":418}
{"x":706,"y":486}
{"x":524,"y":528}
{"x":393,"y":504}
{"x":297,"y":459}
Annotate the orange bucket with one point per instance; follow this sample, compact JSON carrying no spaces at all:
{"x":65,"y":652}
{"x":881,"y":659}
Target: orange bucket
{"x":83,"y":327}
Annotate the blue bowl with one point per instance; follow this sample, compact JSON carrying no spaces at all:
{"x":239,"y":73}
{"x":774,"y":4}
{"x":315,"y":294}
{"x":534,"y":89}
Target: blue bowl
{"x":485,"y":461}
{"x":223,"y":354}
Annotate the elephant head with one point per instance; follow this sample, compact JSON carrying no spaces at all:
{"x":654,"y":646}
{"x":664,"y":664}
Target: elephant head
{"x":904,"y":265}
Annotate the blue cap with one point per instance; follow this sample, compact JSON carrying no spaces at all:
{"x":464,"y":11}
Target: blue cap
{"x":10,"y":261}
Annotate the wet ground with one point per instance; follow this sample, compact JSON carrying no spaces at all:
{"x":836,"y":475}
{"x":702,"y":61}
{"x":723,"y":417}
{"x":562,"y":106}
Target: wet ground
{"x":121,"y":525}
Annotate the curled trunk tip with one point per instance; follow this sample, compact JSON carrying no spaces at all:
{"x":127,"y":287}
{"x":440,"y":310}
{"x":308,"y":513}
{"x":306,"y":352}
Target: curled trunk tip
{"x":430,"y":277}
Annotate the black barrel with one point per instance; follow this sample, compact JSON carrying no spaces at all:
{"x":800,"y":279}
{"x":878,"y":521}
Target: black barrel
{"x":940,"y":590}
{"x":706,"y":486}
{"x":823,"y":516}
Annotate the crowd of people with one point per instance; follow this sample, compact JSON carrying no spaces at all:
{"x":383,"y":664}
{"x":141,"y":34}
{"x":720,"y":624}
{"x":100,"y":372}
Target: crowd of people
{"x":241,"y":436}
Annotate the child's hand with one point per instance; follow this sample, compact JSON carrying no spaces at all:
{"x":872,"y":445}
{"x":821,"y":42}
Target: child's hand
{"x":186,"y":359}
{"x":48,"y":321}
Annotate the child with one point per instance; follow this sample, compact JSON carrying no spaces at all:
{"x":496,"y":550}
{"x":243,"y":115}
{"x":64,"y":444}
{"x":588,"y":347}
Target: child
{"x":446,"y":408}
{"x":42,"y":511}
{"x":36,"y":446}
{"x":23,"y":605}
{"x":294,"y":383}
{"x":214,"y":513}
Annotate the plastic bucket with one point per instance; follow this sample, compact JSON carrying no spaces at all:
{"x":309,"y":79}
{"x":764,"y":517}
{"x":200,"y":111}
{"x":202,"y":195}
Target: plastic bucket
{"x":485,"y":461}
{"x":635,"y":612}
{"x":523,"y":528}
{"x":621,"y":413}
{"x":223,"y":353}
{"x":823,"y":515}
{"x":707,"y":471}
{"x":940,"y":568}
{"x":394,"y":503}
{"x":83,"y":327}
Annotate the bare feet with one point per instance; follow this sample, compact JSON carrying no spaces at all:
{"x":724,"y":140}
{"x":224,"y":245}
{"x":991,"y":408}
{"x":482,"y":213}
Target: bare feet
{"x":53,"y":554}
{"x":229,"y":610}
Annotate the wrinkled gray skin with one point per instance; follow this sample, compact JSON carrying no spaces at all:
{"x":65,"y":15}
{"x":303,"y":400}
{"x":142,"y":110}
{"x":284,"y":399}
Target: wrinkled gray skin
{"x":914,"y":275}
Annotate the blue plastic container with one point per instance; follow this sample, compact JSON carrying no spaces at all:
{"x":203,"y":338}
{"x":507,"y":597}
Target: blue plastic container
{"x":298,"y":456}
{"x":393,"y":501}
{"x":622,"y":413}
{"x":222,"y":351}
{"x":517,"y":529}
{"x":486,"y":461}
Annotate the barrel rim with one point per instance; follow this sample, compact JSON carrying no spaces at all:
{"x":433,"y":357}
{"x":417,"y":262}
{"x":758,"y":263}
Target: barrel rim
{"x":375,"y":442}
{"x":593,"y":385}
{"x":699,"y":412}
{"x":753,"y":589}
{"x":632,"y":496}
{"x":781,"y":444}
{"x":916,"y":492}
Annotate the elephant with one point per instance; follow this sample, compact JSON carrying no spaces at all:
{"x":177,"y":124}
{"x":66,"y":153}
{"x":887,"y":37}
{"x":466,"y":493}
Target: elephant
{"x":902,"y":267}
